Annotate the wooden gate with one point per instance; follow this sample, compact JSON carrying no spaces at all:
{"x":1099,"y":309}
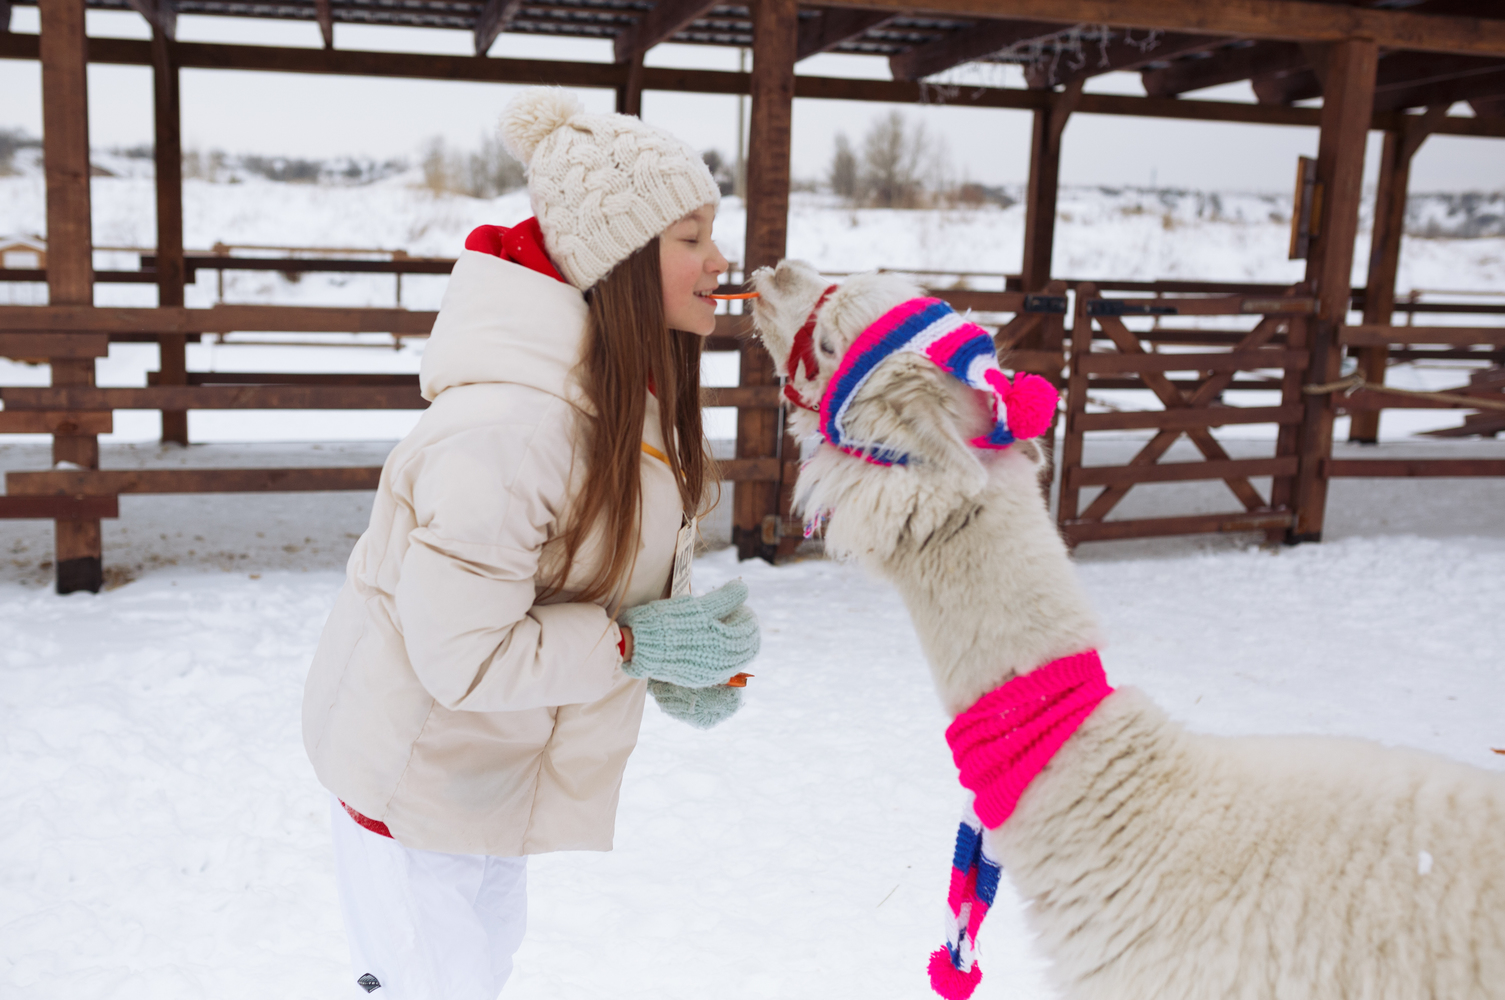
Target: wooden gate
{"x":1190,"y":405}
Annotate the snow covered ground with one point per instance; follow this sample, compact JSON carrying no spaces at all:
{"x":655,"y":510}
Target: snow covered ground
{"x":165,"y":837}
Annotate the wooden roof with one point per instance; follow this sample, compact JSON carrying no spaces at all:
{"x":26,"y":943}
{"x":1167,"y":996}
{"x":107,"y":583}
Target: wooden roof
{"x":1188,"y":54}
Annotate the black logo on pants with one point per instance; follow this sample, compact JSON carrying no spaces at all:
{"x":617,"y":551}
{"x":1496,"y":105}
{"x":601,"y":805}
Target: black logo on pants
{"x":368,"y":982}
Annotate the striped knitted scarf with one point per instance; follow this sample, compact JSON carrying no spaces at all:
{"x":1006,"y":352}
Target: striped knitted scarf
{"x":931,"y":329}
{"x":1000,"y":744}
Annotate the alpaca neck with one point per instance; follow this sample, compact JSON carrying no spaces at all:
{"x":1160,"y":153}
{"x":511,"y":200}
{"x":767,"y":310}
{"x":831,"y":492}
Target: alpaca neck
{"x":996,"y":595}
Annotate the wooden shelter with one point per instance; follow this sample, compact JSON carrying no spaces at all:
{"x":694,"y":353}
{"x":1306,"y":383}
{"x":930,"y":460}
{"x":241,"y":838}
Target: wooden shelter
{"x":1372,"y":63}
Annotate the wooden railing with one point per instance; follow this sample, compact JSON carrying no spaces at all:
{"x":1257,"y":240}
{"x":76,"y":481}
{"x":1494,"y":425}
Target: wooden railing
{"x":1187,"y":371}
{"x":1189,"y":407}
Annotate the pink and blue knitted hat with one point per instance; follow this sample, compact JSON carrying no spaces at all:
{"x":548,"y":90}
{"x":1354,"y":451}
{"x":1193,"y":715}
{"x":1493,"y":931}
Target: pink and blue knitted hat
{"x":930,"y":328}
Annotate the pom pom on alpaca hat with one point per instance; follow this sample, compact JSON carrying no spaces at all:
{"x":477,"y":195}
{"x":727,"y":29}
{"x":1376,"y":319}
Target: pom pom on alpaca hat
{"x":602,"y":186}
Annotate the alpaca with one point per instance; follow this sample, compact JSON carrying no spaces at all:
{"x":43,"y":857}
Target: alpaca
{"x":1158,"y":864}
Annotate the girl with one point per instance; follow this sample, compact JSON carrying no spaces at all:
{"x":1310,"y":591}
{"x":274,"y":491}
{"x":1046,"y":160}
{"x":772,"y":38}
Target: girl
{"x":480,"y":682}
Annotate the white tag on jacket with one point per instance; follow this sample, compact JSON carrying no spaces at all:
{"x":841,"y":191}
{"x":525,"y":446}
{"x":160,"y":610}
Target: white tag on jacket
{"x":684,"y":555}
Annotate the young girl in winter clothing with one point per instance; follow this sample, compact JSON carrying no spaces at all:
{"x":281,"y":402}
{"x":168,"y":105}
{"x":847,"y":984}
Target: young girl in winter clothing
{"x":480,"y":683}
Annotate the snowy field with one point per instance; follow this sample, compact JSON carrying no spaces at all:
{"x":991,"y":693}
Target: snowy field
{"x":165,"y":837}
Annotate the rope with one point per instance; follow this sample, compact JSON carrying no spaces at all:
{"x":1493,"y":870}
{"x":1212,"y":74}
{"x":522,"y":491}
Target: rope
{"x":1348,"y":386}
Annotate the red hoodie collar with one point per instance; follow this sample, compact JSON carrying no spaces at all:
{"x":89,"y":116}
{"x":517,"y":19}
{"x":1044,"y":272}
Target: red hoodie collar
{"x":520,"y":244}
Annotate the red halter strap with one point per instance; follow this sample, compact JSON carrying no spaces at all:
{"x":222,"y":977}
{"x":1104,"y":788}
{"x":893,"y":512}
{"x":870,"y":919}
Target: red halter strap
{"x":803,"y":351}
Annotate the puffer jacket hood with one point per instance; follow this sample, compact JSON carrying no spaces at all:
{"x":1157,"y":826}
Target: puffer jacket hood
{"x":501,"y":322}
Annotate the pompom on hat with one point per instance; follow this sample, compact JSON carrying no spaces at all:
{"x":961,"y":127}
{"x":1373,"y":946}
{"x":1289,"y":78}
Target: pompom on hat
{"x":602,"y":186}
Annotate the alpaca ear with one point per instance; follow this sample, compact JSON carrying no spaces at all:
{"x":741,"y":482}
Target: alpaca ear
{"x":928,"y":416}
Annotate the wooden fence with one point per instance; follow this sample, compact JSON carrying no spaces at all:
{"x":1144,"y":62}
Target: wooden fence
{"x":1186,"y":371}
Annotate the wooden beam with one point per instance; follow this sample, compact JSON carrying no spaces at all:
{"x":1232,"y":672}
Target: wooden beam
{"x":759,"y":432}
{"x":1282,"y":20}
{"x":1488,"y":107}
{"x":168,"y":154}
{"x":630,"y":90}
{"x":1398,"y":72}
{"x":162,"y":15}
{"x":665,"y":19}
{"x":217,"y":319}
{"x":405,"y":65}
{"x":492,"y":21}
{"x":1156,"y":527}
{"x":1179,"y":472}
{"x":37,"y":346}
{"x":54,"y":422}
{"x":324,"y":14}
{"x":1114,"y":362}
{"x":832,"y":27}
{"x":1227,"y":65}
{"x":982,"y":39}
{"x":1384,"y":252}
{"x":1121,"y":56}
{"x":113,"y":482}
{"x":58,"y":508}
{"x":79,"y":487}
{"x":1205,"y":416}
{"x":63,"y":48}
{"x":4,"y":16}
{"x":1365,"y":335}
{"x":219,"y":397}
{"x":1443,"y":92}
{"x":1044,"y":187}
{"x":1346,"y":115}
{"x":1407,"y":468}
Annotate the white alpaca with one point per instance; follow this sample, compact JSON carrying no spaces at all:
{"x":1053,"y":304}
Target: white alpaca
{"x":1158,"y":864}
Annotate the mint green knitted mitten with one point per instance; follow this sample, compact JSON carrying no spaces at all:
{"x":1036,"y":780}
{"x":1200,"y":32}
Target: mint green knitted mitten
{"x":700,"y":707}
{"x":695,"y":642}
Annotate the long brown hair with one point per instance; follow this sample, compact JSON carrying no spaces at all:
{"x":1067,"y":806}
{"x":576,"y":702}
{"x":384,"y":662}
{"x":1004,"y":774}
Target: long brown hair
{"x":630,"y":348}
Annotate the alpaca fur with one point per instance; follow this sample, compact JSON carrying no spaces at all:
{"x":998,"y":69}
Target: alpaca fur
{"x":1158,"y":864}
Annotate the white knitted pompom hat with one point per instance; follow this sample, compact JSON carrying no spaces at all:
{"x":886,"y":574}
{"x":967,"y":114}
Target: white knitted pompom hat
{"x":602,"y":186}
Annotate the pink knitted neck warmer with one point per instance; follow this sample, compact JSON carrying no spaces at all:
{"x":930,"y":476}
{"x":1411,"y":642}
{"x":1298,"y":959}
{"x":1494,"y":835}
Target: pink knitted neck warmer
{"x":1003,"y":741}
{"x":1000,"y":744}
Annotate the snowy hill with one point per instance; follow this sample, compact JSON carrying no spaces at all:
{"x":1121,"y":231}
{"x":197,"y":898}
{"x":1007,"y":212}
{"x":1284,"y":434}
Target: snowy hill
{"x":1125,"y":233}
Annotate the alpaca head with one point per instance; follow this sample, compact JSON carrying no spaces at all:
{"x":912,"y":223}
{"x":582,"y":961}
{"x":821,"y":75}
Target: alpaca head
{"x":909,"y":405}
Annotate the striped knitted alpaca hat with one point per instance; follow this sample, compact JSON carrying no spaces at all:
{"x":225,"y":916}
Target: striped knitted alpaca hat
{"x":932,"y":329}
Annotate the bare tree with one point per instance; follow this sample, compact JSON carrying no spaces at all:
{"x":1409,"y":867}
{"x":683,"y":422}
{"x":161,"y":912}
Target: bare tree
{"x":482,"y":173}
{"x":844,"y":169}
{"x":492,"y":171}
{"x":893,"y":158}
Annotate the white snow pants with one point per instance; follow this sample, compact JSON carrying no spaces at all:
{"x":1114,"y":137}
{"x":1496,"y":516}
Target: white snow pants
{"x":423,"y":924}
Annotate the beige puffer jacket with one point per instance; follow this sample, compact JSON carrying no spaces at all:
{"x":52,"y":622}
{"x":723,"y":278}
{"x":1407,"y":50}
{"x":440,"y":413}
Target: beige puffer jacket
{"x":443,"y":701}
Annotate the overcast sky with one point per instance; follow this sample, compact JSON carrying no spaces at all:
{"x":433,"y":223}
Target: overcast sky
{"x":324,"y":116}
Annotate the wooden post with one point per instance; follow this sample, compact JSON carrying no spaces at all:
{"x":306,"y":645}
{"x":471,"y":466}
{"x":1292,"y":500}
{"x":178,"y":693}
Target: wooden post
{"x":1040,"y":242}
{"x":630,"y":91}
{"x":1347,"y":106}
{"x":1384,"y":253}
{"x":775,"y":44}
{"x":168,"y":147}
{"x":63,"y":48}
{"x":1044,"y":185}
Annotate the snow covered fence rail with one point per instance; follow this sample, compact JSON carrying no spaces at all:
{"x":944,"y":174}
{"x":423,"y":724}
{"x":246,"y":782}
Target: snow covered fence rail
{"x":1366,"y":392}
